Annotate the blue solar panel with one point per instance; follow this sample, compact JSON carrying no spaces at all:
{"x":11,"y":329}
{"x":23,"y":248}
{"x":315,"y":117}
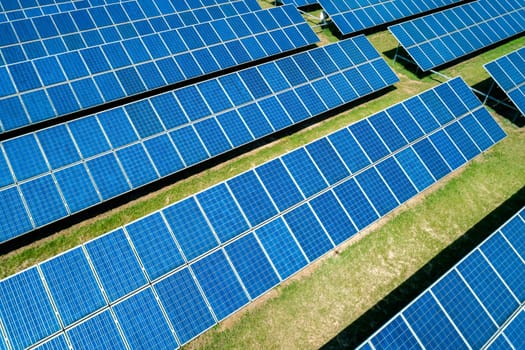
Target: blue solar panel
{"x":442,"y":37}
{"x":252,"y":265}
{"x":190,"y":228}
{"x":16,"y":218}
{"x":356,"y":204}
{"x":155,"y":246}
{"x":77,"y":188}
{"x":507,"y":263}
{"x":445,"y":146}
{"x":222,"y":211}
{"x":474,"y":303}
{"x":333,"y":217}
{"x":26,"y":310}
{"x":97,"y":332}
{"x":220,"y":284}
{"x":304,"y":171}
{"x":431,"y":325}
{"x":135,"y":61}
{"x":184,"y":304}
{"x":395,"y":335}
{"x":281,"y":247}
{"x":108,"y":175}
{"x":43,"y":200}
{"x":143,"y":323}
{"x":252,"y":197}
{"x":72,"y":285}
{"x":309,"y":233}
{"x":507,"y":72}
{"x":514,"y":331}
{"x":115,"y":264}
{"x":489,"y":288}
{"x":377,"y":191}
{"x":27,"y":158}
{"x":464,"y":310}
{"x":241,"y":237}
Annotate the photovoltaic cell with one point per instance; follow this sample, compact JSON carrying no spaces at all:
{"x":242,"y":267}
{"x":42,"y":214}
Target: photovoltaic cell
{"x":98,"y":331}
{"x":143,"y":323}
{"x":155,"y":246}
{"x":115,"y":264}
{"x":27,"y":312}
{"x":220,"y":284}
{"x":252,"y":265}
{"x":72,"y":285}
{"x":185,"y":306}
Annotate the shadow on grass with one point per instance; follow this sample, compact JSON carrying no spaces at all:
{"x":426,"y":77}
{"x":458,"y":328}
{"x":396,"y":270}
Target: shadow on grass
{"x":486,"y":86}
{"x":362,"y":328}
{"x":139,"y":192}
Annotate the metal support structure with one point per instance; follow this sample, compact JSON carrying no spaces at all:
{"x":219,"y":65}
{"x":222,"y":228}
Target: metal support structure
{"x":488,"y":93}
{"x":395,"y":54}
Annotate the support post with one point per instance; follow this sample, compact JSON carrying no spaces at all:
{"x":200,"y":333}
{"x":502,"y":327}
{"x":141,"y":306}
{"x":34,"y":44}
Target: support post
{"x":488,"y":93}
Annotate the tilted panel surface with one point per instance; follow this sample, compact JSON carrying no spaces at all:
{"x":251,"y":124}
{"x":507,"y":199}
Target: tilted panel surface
{"x":92,"y":72}
{"x":351,"y":16}
{"x":55,"y":172}
{"x":445,"y":36}
{"x":509,"y":73}
{"x":260,"y":227}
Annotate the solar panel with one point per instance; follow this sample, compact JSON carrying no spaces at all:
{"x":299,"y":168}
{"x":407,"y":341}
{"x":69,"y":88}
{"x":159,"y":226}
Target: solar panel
{"x":72,"y":79}
{"x":442,"y":37}
{"x":508,"y":72}
{"x":231,"y":243}
{"x":143,"y":141}
{"x":477,"y":304}
{"x":354,"y":16}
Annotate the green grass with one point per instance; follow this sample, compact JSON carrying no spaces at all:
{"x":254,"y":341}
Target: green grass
{"x":325,"y":298}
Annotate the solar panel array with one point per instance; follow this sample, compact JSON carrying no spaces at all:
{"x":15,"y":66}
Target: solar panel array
{"x":509,"y":73}
{"x":75,"y":69}
{"x":442,"y":37}
{"x":471,"y":305}
{"x":52,"y":173}
{"x":30,"y":9}
{"x":164,"y":279}
{"x":351,"y":16}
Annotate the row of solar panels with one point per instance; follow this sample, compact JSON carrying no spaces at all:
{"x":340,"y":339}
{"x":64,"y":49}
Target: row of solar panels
{"x":22,"y":9}
{"x":471,"y":305}
{"x":351,"y":16}
{"x":100,"y":20}
{"x":509,"y":73}
{"x":442,"y":37}
{"x":69,"y":167}
{"x":164,"y":279}
{"x":69,"y":82}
